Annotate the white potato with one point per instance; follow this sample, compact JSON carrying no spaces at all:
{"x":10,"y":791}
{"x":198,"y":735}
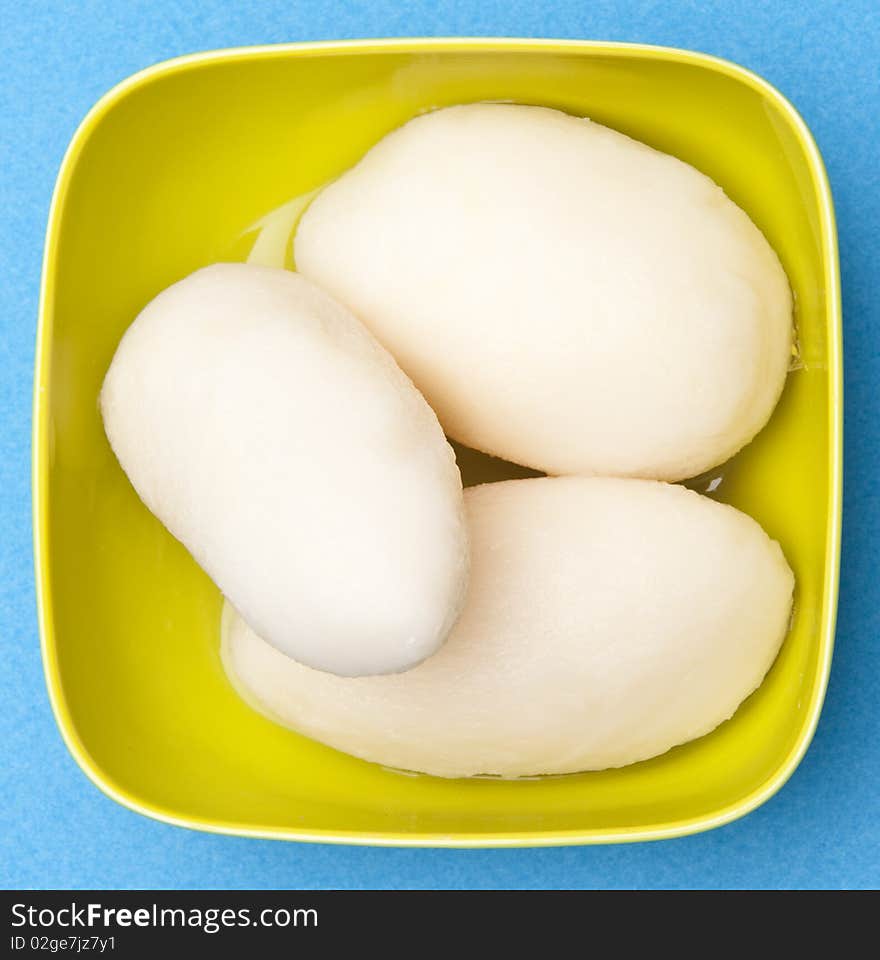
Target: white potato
{"x":272,"y":435}
{"x":607,"y":620}
{"x":564,"y":296}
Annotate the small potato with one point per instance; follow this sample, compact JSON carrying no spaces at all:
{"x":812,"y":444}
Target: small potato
{"x":607,"y":620}
{"x":273,"y":436}
{"x":565,"y":297}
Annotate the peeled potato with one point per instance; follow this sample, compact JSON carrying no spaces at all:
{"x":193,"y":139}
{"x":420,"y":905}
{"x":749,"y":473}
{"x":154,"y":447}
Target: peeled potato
{"x":273,"y":436}
{"x":607,"y":620}
{"x":565,"y":297}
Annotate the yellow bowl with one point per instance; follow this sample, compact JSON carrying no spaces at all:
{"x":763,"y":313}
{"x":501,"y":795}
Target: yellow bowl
{"x":165,"y":175}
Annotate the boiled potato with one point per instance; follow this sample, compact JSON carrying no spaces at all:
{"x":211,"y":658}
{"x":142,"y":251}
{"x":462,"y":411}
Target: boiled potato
{"x":607,"y":620}
{"x":565,"y":297}
{"x":273,"y":436}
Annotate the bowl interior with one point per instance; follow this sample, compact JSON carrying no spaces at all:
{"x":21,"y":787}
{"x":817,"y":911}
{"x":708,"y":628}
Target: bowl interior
{"x":168,"y":178}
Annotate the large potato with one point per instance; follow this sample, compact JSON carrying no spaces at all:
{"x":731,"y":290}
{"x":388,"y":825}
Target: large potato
{"x":607,"y":620}
{"x":565,"y":297}
{"x":273,"y":436}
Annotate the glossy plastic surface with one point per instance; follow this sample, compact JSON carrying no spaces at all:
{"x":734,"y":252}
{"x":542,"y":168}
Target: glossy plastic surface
{"x":165,"y":175}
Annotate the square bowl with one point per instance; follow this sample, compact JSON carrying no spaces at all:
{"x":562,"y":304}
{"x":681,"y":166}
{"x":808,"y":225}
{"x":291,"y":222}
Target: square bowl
{"x":165,"y":175}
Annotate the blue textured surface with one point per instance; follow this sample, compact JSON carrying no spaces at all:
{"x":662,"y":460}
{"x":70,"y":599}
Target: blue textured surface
{"x":823,"y":829}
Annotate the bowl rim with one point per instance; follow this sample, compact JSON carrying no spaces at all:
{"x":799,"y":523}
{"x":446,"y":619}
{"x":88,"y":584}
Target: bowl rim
{"x":428,"y":838}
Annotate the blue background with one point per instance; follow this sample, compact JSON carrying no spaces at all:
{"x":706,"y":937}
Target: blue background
{"x":823,"y":829}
